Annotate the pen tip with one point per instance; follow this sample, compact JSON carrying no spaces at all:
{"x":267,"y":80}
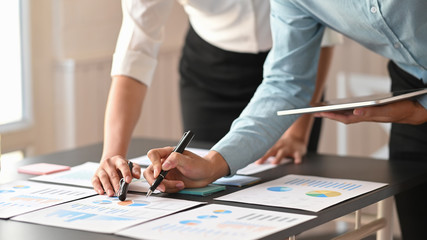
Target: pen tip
{"x":148,"y":193}
{"x":122,"y":197}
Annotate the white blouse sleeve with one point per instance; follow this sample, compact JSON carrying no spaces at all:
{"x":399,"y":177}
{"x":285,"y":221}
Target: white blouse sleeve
{"x":140,"y":37}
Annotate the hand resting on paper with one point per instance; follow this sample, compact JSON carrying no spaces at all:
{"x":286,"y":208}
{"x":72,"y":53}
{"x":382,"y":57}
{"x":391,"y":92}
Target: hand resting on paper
{"x":287,"y":146}
{"x":109,"y":173}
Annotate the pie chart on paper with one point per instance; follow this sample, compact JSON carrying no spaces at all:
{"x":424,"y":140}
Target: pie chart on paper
{"x":222,"y":211}
{"x":323,"y":193}
{"x":279,"y":189}
{"x":131,"y":203}
{"x":190,"y":222}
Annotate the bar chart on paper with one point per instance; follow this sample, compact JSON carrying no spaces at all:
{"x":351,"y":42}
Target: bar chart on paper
{"x":106,"y":214}
{"x":24,"y":196}
{"x":302,"y":192}
{"x":216,"y":221}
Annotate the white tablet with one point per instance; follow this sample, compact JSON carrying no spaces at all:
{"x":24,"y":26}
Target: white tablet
{"x":356,"y":102}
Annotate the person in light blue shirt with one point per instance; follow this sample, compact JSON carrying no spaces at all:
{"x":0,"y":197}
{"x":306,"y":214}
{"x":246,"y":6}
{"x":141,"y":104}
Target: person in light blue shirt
{"x":394,"y":29}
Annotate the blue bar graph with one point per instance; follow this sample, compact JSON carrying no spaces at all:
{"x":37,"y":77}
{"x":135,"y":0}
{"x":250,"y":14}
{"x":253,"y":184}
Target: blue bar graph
{"x":323,"y":184}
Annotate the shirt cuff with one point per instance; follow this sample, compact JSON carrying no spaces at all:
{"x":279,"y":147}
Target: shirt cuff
{"x":229,"y":153}
{"x":423,"y":100}
{"x":134,"y":65}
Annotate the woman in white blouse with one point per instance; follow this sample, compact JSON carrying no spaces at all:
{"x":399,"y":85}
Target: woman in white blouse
{"x":220,"y":68}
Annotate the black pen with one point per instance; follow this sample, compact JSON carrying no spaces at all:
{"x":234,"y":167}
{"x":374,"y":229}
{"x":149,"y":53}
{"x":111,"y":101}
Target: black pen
{"x":124,"y":186}
{"x":185,"y":140}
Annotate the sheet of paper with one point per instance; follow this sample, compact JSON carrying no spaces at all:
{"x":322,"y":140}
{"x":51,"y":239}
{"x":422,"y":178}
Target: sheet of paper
{"x":302,"y":192}
{"x":214,"y":222}
{"x":141,"y":160}
{"x":248,"y":170}
{"x":106,"y":215}
{"x":256,"y":168}
{"x":24,"y":196}
{"x":81,"y":176}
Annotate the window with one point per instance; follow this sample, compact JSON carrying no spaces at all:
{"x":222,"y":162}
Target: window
{"x":13,"y":157}
{"x":14,"y":55}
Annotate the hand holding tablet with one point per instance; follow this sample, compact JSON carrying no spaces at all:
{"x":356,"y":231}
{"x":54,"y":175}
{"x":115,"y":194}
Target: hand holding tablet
{"x":351,"y":103}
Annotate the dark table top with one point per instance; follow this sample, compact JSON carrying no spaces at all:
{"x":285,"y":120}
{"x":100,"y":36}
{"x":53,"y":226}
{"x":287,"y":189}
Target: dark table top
{"x":399,"y":175}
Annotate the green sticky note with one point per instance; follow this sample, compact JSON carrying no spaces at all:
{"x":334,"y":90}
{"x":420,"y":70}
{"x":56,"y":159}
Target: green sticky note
{"x":204,"y":191}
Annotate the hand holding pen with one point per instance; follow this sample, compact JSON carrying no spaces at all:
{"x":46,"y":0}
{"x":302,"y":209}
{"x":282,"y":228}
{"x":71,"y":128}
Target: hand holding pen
{"x":124,"y":186}
{"x":185,"y":140}
{"x":108,"y":181}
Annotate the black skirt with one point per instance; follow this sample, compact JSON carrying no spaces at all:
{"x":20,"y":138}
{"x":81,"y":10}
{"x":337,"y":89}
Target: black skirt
{"x":216,"y":85}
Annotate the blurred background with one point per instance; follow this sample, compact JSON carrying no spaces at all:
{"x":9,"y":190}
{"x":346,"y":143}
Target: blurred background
{"x":56,"y":76}
{"x":55,"y":65}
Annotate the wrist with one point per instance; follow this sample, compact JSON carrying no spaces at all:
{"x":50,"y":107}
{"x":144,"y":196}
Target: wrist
{"x":218,"y":165}
{"x":105,"y":157}
{"x":110,"y":150}
{"x":301,"y":129}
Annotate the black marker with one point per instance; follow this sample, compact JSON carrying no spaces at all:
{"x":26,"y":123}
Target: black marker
{"x":185,"y":140}
{"x":124,"y":186}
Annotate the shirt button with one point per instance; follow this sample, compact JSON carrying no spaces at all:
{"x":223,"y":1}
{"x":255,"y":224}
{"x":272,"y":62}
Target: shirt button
{"x":396,"y":45}
{"x":374,"y":9}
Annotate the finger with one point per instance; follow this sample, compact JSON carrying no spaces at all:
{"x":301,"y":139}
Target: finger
{"x":112,"y":178}
{"x":166,"y":185}
{"x":317,"y":114}
{"x":271,"y":152}
{"x":331,"y":113}
{"x":171,"y":186}
{"x":172,"y":161}
{"x":148,"y":175}
{"x":344,"y":118}
{"x":341,"y":113}
{"x":136,"y":171}
{"x":262,"y":160}
{"x":376,"y":114}
{"x":156,"y":155}
{"x":97,"y":185}
{"x":122,"y":166}
{"x":297,"y":158}
{"x":105,"y":181}
{"x":277,"y":159}
{"x":181,"y":162}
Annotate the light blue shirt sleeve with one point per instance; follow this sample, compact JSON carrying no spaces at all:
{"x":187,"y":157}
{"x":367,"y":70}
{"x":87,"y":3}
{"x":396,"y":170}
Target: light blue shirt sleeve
{"x":289,"y":80}
{"x":385,"y":27}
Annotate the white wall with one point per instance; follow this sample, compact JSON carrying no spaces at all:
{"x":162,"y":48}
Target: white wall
{"x":72,"y":42}
{"x":85,"y":29}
